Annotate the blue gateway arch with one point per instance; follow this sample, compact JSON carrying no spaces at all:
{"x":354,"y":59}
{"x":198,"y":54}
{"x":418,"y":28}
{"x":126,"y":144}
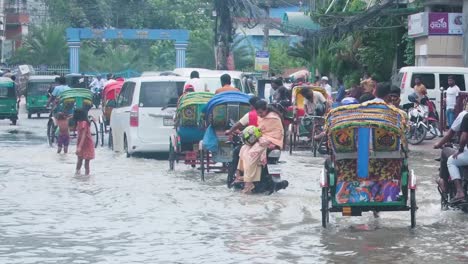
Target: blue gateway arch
{"x":75,"y":35}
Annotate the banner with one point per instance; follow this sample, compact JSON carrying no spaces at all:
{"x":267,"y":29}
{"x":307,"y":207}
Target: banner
{"x":423,"y":24}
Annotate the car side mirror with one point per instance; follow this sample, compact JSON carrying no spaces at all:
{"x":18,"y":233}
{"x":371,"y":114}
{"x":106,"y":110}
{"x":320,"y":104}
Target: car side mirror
{"x":112,"y":103}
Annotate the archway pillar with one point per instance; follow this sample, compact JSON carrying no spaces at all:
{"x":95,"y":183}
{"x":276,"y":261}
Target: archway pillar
{"x":74,"y":47}
{"x":180,"y":47}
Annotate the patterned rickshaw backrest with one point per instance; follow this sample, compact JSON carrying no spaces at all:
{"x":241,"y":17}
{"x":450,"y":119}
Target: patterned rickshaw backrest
{"x":76,"y":98}
{"x":384,"y":123}
{"x":298,"y":99}
{"x":224,"y":107}
{"x":189,"y":109}
{"x":366,"y":142}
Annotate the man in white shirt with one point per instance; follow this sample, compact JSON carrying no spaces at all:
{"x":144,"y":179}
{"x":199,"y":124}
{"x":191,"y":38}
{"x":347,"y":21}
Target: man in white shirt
{"x":198,"y":84}
{"x":326,"y":86}
{"x":451,"y":99}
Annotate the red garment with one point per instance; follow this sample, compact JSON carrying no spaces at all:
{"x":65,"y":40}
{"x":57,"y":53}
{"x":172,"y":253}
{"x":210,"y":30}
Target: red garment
{"x":253,"y":118}
{"x":84,"y":133}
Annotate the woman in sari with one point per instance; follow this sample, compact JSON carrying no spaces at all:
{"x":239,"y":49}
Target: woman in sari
{"x":253,"y":157}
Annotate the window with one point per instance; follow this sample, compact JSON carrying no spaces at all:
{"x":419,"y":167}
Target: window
{"x":459,"y":80}
{"x":7,"y":92}
{"x":427,"y":79}
{"x":38,"y":88}
{"x":160,"y":94}
{"x":126,"y":95}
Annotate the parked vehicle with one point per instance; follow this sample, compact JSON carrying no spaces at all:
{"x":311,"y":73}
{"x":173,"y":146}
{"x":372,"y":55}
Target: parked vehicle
{"x":36,"y":94}
{"x":143,"y":118}
{"x":8,"y":100}
{"x":433,"y":78}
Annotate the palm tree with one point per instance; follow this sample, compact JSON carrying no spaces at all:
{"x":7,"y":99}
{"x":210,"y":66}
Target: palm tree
{"x":46,"y":44}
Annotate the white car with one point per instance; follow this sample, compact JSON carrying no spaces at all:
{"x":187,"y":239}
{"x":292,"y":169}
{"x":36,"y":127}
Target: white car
{"x":142,"y":120}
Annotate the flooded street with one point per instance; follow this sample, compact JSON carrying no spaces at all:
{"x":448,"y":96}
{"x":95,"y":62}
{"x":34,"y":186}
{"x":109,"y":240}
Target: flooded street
{"x":133,"y":210}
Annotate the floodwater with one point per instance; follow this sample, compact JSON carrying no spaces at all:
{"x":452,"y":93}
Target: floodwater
{"x":133,"y":210}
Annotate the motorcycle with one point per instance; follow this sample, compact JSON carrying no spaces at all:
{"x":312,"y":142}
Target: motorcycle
{"x":270,"y":180}
{"x":422,"y":124}
{"x":96,"y":97}
{"x":450,"y":190}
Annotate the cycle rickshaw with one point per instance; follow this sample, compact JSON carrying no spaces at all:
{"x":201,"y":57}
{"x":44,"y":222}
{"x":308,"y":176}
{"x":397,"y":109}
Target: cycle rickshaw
{"x":109,"y":97}
{"x":77,"y":98}
{"x":368,"y":165}
{"x":189,"y":129}
{"x":303,"y":125}
{"x":221,"y":112}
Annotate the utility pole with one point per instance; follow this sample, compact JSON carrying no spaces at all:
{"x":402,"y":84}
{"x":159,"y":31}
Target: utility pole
{"x":465,"y":32}
{"x":266,"y":27}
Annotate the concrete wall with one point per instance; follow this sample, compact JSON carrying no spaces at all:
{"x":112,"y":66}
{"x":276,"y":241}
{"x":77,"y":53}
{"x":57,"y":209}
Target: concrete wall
{"x":439,"y":51}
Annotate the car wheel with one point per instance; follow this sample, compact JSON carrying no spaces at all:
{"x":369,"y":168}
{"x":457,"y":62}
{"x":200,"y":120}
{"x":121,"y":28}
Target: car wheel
{"x":126,"y":147}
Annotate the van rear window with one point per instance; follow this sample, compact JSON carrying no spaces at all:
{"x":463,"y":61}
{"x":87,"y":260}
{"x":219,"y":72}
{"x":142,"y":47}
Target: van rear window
{"x":160,"y":94}
{"x":428,"y":79}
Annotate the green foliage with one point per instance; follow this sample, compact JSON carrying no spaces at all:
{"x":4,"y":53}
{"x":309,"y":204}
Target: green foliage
{"x":45,"y":45}
{"x":280,"y":59}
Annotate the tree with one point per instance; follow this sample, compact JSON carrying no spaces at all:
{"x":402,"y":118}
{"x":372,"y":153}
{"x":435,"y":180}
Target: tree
{"x":45,"y":45}
{"x":225,"y":11}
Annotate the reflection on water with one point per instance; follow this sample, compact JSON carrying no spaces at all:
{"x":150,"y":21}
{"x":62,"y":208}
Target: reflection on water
{"x":136,"y":211}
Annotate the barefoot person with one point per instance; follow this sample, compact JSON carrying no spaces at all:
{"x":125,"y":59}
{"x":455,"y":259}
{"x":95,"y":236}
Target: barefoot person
{"x":63,"y":133}
{"x":85,"y":144}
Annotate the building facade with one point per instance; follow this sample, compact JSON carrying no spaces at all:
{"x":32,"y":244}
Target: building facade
{"x":438,"y":33}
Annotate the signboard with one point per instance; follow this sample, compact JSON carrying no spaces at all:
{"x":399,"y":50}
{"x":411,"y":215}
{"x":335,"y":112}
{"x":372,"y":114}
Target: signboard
{"x":423,"y":24}
{"x":455,"y":23}
{"x":262,"y":61}
{"x":416,"y":24}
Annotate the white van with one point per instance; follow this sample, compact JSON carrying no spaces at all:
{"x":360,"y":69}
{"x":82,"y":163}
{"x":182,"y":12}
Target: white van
{"x":433,"y":77}
{"x":142,"y":120}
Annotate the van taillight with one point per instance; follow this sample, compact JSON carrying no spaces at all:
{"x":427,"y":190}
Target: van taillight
{"x":134,"y":116}
{"x":403,"y":81}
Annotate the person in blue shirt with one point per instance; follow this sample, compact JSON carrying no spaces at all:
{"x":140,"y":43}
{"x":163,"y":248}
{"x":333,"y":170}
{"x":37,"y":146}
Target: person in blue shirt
{"x":341,"y":91}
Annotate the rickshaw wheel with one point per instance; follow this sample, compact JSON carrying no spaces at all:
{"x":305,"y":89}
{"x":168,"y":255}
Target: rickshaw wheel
{"x":101,"y":128}
{"x":29,"y":116}
{"x":290,"y":143}
{"x":38,"y":115}
{"x":110,"y":143}
{"x":413,"y":208}
{"x":231,"y":175}
{"x":314,"y":144}
{"x":325,"y":212}
{"x":202,"y":164}
{"x":171,"y":155}
{"x":96,"y":131}
{"x":50,"y":132}
{"x":13,"y":121}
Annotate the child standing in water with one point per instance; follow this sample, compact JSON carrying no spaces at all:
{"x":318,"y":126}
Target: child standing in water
{"x":63,"y":133}
{"x":85,"y":144}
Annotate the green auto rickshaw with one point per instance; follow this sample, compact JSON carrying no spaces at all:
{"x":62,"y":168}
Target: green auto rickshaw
{"x":36,"y":94}
{"x":8,"y":100}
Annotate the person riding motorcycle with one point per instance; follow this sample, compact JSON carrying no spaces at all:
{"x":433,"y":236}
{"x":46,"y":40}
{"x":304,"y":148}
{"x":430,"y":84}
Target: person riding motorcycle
{"x":252,"y":156}
{"x":448,"y":152}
